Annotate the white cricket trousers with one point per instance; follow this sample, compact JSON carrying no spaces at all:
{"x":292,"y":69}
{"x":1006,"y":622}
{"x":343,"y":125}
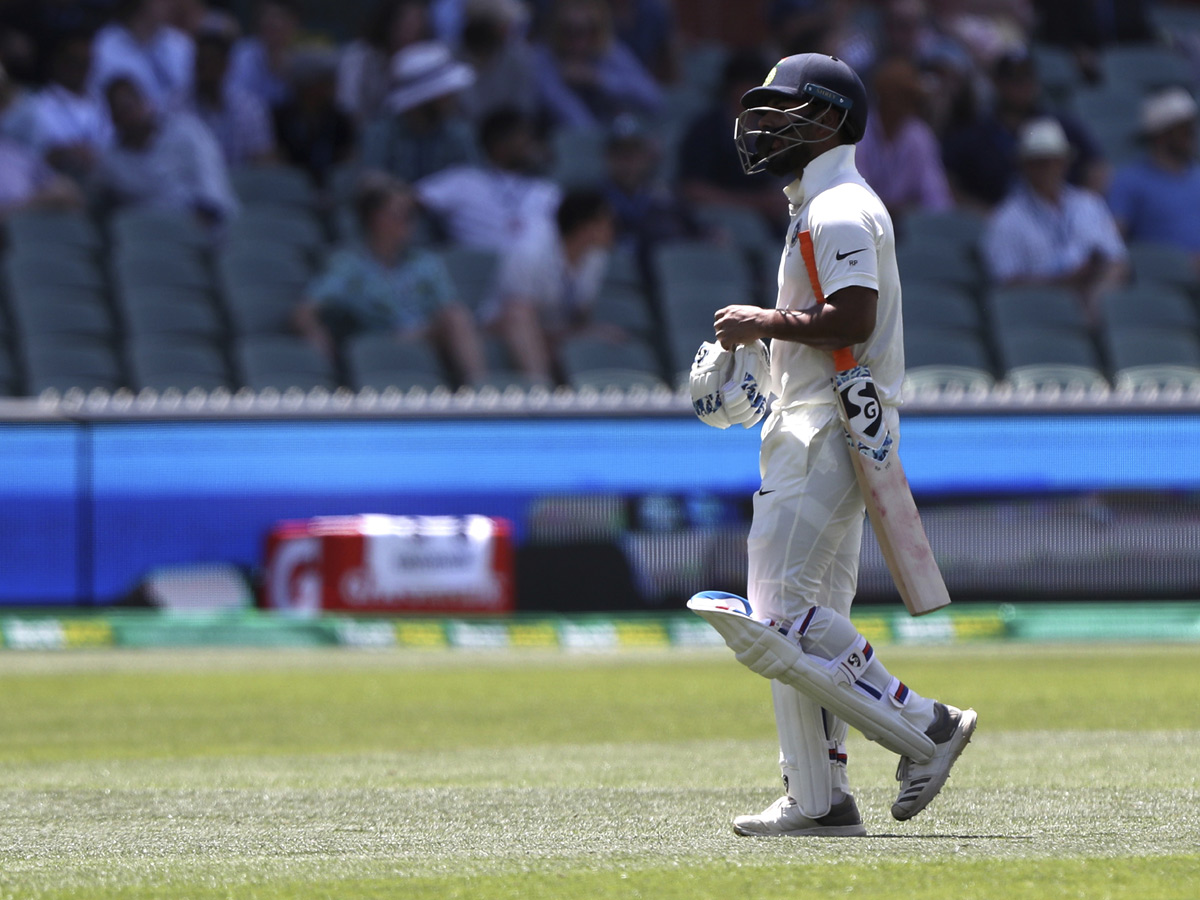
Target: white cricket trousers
{"x":804,"y":546}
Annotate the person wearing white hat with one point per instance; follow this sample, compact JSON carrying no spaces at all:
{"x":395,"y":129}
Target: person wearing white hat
{"x":1049,"y":232}
{"x":424,"y":130}
{"x":1156,"y":198}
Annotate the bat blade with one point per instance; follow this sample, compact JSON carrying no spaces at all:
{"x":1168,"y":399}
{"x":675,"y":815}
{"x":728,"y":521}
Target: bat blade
{"x":889,"y":500}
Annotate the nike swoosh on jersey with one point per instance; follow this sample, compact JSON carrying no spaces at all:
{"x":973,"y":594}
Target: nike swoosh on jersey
{"x":849,"y":253}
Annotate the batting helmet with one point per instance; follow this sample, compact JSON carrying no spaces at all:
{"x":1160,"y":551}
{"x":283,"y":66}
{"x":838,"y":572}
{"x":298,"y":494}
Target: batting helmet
{"x":815,"y":76}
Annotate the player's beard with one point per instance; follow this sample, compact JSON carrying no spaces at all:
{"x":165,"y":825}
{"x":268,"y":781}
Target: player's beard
{"x":788,"y":162}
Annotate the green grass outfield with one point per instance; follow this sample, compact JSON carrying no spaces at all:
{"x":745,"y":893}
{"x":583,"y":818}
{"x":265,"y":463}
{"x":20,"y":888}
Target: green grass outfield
{"x":274,"y":774}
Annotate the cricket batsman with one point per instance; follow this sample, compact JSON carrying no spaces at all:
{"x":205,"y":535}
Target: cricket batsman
{"x":838,"y":288}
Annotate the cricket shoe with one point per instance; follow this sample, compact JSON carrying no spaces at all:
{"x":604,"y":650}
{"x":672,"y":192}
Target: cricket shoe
{"x":920,"y":782}
{"x":783,"y":818}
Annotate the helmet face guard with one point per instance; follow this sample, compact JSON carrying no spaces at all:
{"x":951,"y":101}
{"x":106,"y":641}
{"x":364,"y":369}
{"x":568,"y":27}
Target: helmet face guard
{"x":755,"y":143}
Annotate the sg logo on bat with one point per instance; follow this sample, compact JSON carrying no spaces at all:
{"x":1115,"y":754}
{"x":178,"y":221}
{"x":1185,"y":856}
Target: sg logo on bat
{"x":863,"y":412}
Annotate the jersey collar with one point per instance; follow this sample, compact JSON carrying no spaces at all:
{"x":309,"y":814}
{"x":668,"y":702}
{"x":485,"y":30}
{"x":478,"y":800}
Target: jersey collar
{"x":819,"y":174}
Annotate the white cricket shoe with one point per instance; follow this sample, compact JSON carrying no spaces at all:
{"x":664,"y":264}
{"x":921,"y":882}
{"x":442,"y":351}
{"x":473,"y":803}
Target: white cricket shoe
{"x":920,"y":782}
{"x":783,"y":818}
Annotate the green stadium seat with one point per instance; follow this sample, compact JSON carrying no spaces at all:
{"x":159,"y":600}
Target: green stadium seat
{"x":179,"y":363}
{"x":282,"y":362}
{"x":380,"y":361}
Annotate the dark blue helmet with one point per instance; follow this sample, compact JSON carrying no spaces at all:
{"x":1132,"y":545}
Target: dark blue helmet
{"x":815,"y":76}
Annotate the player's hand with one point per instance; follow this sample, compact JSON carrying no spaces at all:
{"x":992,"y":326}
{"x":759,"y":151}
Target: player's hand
{"x":739,"y":325}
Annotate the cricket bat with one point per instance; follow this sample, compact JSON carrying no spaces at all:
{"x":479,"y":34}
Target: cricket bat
{"x":890,"y":505}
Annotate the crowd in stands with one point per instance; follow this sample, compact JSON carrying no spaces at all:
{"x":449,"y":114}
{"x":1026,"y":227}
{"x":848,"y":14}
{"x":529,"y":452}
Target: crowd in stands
{"x":498,"y":180}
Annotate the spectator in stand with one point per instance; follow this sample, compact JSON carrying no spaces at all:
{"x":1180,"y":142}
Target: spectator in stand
{"x":647,"y":27}
{"x":196,"y":16}
{"x":71,"y":127}
{"x":385,"y":284}
{"x":261,"y":62}
{"x":425,"y":129}
{"x":1086,"y":27}
{"x":26,"y":181}
{"x":709,"y":168}
{"x":586,"y":76}
{"x":548,"y":285}
{"x":141,"y":46}
{"x":646,"y":212}
{"x":495,"y":204}
{"x":237,"y":119}
{"x":981,"y":156}
{"x":493,"y":43}
{"x":161,"y":160}
{"x":899,"y":154}
{"x":311,"y":131}
{"x":1049,"y":232}
{"x":1156,"y":198}
{"x":363,"y":71}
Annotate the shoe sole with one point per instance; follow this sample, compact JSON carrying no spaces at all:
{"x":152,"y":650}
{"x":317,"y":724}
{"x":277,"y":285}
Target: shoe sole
{"x":855,"y":830}
{"x":962,"y":737}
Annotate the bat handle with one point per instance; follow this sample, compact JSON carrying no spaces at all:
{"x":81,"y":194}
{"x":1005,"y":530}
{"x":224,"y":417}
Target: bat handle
{"x":844,"y":359}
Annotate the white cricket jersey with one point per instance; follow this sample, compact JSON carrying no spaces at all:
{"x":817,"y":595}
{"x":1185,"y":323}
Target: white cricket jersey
{"x":854,"y":244}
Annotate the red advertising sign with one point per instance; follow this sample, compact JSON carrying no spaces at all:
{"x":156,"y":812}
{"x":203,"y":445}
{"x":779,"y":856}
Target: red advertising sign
{"x":380,"y":564}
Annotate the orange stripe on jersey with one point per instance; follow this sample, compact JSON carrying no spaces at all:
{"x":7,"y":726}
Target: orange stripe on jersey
{"x":843,"y":359}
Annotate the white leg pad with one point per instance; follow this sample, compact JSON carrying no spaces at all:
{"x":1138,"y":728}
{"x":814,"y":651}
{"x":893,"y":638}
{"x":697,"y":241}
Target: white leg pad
{"x":803,"y":750}
{"x":766,"y":650}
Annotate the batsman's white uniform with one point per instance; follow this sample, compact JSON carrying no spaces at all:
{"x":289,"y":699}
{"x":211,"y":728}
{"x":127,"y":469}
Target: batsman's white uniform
{"x":806,"y":534}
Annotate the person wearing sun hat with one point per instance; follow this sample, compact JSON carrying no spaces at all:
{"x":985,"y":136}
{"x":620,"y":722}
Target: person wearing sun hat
{"x":1156,"y":197}
{"x":424,"y":129}
{"x":1049,"y":232}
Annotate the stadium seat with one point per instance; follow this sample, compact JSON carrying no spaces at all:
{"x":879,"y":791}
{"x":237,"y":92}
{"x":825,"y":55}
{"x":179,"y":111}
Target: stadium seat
{"x":32,"y":272}
{"x":166,"y":312}
{"x":140,"y":227}
{"x":746,"y":228}
{"x":1045,"y":346}
{"x":591,"y":360}
{"x":624,"y":270}
{"x":10,"y":376}
{"x":626,"y":307}
{"x":688,"y":312}
{"x":177,"y":363}
{"x":473,"y":271}
{"x":64,"y":310}
{"x":688,"y":264}
{"x":1144,"y":67}
{"x":1020,"y":307}
{"x":380,"y":361}
{"x":926,"y":346}
{"x":1158,"y":378}
{"x":1163,"y":263}
{"x":1062,"y":376}
{"x":143,"y":268}
{"x":282,"y":362}
{"x":289,"y":227}
{"x":282,"y":186}
{"x":956,"y":229}
{"x":1149,"y":305}
{"x":946,"y":378}
{"x":625,"y":379}
{"x":927,"y":262}
{"x":53,"y":229}
{"x":1136,"y":347}
{"x":262,"y":263}
{"x":1057,"y":71}
{"x":62,"y":362}
{"x":934,"y":304}
{"x":262,"y":308}
{"x":578,"y":157}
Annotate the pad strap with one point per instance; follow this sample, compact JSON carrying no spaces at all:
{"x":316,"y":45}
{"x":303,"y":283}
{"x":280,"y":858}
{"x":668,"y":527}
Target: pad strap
{"x":851,"y":664}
